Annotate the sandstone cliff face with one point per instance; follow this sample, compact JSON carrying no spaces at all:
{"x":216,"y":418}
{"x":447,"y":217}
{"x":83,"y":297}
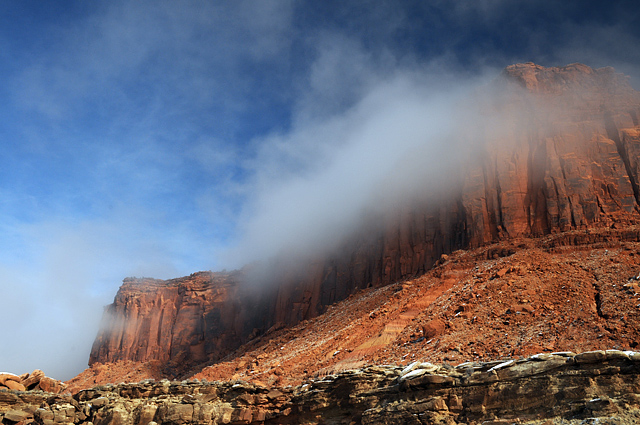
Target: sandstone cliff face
{"x":180,"y":319}
{"x":558,"y":151}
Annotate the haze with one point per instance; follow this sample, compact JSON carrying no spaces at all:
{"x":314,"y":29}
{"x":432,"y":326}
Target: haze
{"x":161,"y":138}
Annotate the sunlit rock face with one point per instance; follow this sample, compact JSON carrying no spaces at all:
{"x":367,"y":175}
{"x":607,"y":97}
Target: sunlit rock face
{"x":538,"y":151}
{"x":34,"y":381}
{"x":177,"y":321}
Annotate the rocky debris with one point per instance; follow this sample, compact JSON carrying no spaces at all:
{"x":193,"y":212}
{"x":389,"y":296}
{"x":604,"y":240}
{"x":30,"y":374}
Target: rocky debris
{"x":36,"y":381}
{"x":633,"y":285}
{"x":548,"y":386}
{"x":120,"y":371}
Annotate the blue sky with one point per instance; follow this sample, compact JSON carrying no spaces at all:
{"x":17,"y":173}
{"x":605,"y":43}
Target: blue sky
{"x":159,"y":138}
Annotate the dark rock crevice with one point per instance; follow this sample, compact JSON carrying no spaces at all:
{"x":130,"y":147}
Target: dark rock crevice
{"x":598,"y":300}
{"x":614,"y":134}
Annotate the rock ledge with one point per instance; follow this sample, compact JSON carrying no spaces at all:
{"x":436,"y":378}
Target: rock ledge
{"x":567,"y":386}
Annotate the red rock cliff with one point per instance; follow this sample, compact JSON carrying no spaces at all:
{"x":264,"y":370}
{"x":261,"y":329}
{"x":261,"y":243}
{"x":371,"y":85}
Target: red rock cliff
{"x":178,"y":320}
{"x":556,"y":149}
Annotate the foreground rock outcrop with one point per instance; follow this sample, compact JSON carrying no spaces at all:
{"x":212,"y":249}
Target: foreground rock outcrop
{"x":562,"y":386}
{"x":556,"y":151}
{"x":34,"y":381}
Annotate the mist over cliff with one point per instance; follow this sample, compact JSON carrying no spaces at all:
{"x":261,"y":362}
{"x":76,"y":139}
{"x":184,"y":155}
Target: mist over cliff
{"x":413,"y":140}
{"x":536,"y":151}
{"x":158,"y":139}
{"x":315,"y":183}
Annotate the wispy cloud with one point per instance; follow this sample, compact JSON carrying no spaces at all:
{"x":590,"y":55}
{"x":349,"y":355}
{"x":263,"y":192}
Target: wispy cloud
{"x":315,"y":183}
{"x":121,"y":160}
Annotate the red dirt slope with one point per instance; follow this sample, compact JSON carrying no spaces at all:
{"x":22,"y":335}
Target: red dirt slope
{"x":572,"y":291}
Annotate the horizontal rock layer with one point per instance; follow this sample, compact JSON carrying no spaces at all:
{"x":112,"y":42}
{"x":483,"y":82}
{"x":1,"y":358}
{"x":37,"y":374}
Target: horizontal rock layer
{"x":555,"y":150}
{"x":561,"y":386}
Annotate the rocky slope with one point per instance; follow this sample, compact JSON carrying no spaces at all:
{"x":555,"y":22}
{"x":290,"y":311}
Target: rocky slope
{"x":572,"y":291}
{"x":593,"y":386}
{"x":536,"y":295}
{"x":556,"y":151}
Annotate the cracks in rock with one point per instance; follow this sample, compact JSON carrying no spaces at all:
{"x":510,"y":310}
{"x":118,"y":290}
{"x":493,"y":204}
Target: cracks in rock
{"x":500,"y":217}
{"x":536,"y":198}
{"x":461,"y":232}
{"x":573,"y":217}
{"x":160,"y":323}
{"x":597,"y":296}
{"x":613,"y":134}
{"x":600,"y":204}
{"x":528,"y":200}
{"x":489,"y":198}
{"x":598,"y":299}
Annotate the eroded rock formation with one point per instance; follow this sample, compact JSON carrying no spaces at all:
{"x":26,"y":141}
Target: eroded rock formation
{"x":181,"y":320}
{"x":562,"y":386}
{"x":555,"y":150}
{"x":561,"y":154}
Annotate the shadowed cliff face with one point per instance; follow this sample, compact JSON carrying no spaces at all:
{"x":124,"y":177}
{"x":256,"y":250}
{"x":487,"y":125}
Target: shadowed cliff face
{"x":539,"y":151}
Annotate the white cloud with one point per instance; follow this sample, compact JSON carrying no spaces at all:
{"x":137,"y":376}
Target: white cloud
{"x":314,"y":184}
{"x":67,"y":271}
{"x":179,"y":54}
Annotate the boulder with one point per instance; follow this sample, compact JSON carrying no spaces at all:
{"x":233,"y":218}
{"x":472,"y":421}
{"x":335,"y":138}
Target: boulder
{"x":33,"y":379}
{"x":433,"y":328}
{"x":13,"y":385}
{"x":590,"y":357}
{"x":51,"y":385}
{"x":17,"y":415}
{"x":4,"y":377}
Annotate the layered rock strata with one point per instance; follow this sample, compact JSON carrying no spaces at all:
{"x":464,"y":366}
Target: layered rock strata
{"x":594,"y":385}
{"x":555,"y":150}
